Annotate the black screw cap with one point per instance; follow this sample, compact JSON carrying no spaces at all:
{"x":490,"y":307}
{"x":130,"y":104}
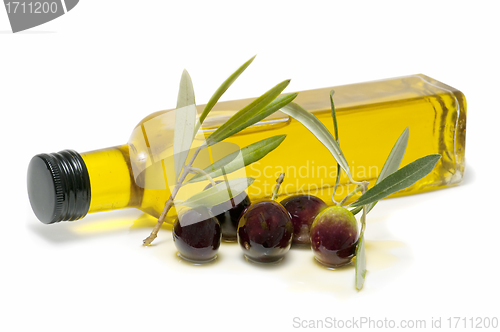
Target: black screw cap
{"x":58,"y":186}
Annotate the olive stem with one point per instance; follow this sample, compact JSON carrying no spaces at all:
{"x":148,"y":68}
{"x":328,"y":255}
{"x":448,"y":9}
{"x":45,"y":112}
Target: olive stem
{"x":364,"y":187}
{"x":170,"y":202}
{"x":202,"y":172}
{"x":279,"y":181}
{"x":363,"y":220}
{"x":336,"y":185}
{"x":352,"y":193}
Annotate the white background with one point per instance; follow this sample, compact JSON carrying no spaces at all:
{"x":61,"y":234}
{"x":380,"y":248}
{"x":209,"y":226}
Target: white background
{"x":85,"y":79}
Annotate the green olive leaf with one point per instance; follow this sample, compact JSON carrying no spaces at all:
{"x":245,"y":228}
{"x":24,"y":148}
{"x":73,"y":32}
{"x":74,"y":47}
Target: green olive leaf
{"x":224,"y":86}
{"x":356,"y":210}
{"x":185,"y":122}
{"x":336,"y":132}
{"x":360,"y":263}
{"x":394,"y":159}
{"x":185,"y":97}
{"x":257,"y":110}
{"x":241,"y":158}
{"x":334,"y":116}
{"x":399,"y":180}
{"x":391,"y":164}
{"x":319,"y":130}
{"x":219,"y":194}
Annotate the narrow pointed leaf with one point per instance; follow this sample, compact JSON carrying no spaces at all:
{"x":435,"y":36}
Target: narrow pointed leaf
{"x":185,"y":97}
{"x":336,"y":132}
{"x":334,"y":116}
{"x":399,"y":180}
{"x":320,"y":131}
{"x":233,"y":162}
{"x":221,"y":193}
{"x":224,"y":86}
{"x":356,"y":210}
{"x":185,"y":122}
{"x":391,"y":164}
{"x":257,"y":110}
{"x":360,"y":263}
{"x":393,"y":161}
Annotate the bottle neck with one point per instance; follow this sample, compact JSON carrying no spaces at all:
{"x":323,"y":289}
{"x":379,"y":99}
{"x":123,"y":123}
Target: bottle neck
{"x":111,"y":182}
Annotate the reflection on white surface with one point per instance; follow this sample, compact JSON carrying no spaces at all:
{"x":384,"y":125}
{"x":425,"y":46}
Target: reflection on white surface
{"x":298,"y":272}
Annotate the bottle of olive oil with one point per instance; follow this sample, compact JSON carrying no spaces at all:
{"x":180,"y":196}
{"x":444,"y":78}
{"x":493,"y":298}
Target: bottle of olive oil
{"x":371,"y":116}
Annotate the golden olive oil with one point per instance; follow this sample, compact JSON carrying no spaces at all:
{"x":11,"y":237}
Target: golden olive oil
{"x":371,"y":116}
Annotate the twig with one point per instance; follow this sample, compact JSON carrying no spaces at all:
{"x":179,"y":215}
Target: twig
{"x":352,"y":193}
{"x":154,"y":233}
{"x":202,"y":172}
{"x":364,"y":187}
{"x":279,"y":181}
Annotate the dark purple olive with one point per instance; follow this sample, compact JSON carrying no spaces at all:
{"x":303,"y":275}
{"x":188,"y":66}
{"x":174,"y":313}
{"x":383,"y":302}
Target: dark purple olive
{"x":265,"y":232}
{"x":303,"y":209}
{"x":334,"y":236}
{"x":229,"y":213}
{"x":197,"y":235}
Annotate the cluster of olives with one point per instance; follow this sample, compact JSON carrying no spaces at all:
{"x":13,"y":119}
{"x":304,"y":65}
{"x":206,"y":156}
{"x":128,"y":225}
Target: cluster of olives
{"x":266,"y":229}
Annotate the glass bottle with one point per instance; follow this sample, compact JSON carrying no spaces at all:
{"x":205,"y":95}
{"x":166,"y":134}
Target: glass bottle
{"x":371,"y":116}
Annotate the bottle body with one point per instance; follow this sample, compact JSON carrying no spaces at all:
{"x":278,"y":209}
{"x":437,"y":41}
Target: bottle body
{"x":370,"y":116}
